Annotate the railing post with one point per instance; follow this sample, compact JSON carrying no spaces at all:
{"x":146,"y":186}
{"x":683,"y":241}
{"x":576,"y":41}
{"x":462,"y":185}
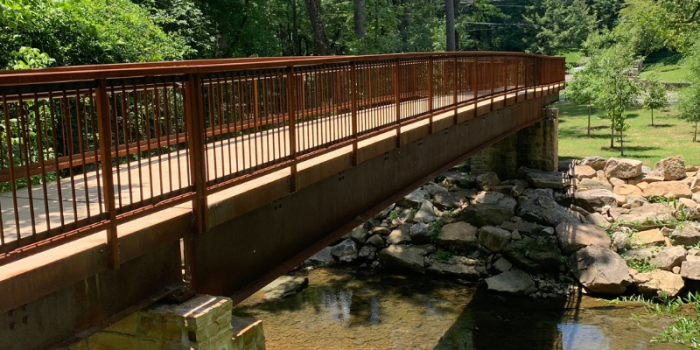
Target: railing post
{"x":492,"y":80}
{"x":475,"y":81}
{"x":105,"y":135}
{"x":430,"y":91}
{"x":455,"y":75}
{"x":195,"y":131}
{"x":353,"y":111}
{"x":292,"y":128}
{"x":397,"y":101}
{"x":517,"y":78}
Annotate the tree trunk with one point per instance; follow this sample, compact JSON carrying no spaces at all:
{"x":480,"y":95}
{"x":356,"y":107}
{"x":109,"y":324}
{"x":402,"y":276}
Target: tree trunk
{"x":295,"y":29}
{"x":321,"y":47}
{"x":589,"y":120}
{"x":622,"y":145}
{"x":450,"y":25}
{"x":652,"y":117}
{"x":612,"y":129}
{"x":695,"y":136}
{"x":359,"y":12}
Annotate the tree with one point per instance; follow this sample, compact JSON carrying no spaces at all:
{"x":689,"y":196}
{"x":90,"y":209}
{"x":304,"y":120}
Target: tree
{"x":580,"y":91}
{"x":689,"y":98}
{"x":655,"y":97}
{"x":614,"y":90}
{"x":557,"y":25}
{"x":450,"y":25}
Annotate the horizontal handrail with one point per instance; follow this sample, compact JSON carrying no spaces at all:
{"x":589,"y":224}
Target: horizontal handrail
{"x":85,"y":148}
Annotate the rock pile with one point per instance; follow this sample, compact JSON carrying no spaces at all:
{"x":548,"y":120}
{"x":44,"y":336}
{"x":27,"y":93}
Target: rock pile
{"x":540,"y":234}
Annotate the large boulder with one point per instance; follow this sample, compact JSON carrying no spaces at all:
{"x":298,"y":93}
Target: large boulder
{"x":671,"y":168}
{"x":595,"y":162}
{"x":426,"y":213}
{"x":456,"y":266}
{"x":420,"y":233}
{"x":497,"y":198}
{"x":648,"y":237}
{"x":459,"y":234}
{"x":600,"y":270}
{"x":359,"y":235}
{"x":414,"y":199}
{"x":284,"y":286}
{"x":514,"y":282}
{"x":448,"y":200}
{"x":486,"y":181}
{"x":345,"y":251}
{"x":546,"y":179}
{"x":522,"y":227}
{"x":583,"y":172}
{"x":691,"y":270}
{"x":628,"y":190}
{"x":593,"y":200}
{"x":400,"y":235}
{"x":533,"y":255}
{"x":485,"y":214}
{"x":658,"y":283}
{"x":493,"y":238}
{"x":644,"y":214}
{"x":376,"y":241}
{"x":459,"y":178}
{"x":669,"y":257}
{"x":623,"y":168}
{"x":688,"y":234}
{"x":593,"y":184}
{"x":368,"y":252}
{"x":544,"y":211}
{"x":574,"y":236}
{"x":323,"y":257}
{"x":668,"y":189}
{"x":402,"y":258}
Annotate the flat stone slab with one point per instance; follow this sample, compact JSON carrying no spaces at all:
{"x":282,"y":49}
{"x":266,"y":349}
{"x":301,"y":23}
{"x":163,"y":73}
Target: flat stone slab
{"x":513,"y":282}
{"x":459,"y":234}
{"x":574,"y":236}
{"x":284,"y":286}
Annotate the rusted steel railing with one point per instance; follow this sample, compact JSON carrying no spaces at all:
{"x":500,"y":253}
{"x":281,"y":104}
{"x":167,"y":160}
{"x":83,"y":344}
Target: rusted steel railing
{"x":84,"y":149}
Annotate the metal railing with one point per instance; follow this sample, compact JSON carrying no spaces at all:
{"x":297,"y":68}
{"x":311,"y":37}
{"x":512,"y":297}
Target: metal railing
{"x":178,"y":131}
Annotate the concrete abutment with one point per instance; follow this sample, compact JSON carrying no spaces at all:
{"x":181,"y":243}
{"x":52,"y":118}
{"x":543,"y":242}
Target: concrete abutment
{"x":534,"y":147}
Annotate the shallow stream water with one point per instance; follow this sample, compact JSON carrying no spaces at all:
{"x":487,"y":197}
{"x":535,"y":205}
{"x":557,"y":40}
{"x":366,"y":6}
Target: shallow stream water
{"x":345,"y":309}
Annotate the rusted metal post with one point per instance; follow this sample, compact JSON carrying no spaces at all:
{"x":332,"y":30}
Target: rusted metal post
{"x":292,"y":128}
{"x":195,"y":129}
{"x":105,"y":135}
{"x":455,"y":77}
{"x":397,"y":102}
{"x":430,"y":91}
{"x":353,"y":111}
{"x":492,"y":80}
{"x":256,"y":115}
{"x":517,"y":78}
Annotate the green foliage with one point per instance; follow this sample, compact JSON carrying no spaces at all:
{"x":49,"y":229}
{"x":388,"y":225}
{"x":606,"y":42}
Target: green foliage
{"x":641,"y":265}
{"x":655,"y":97}
{"x":689,"y":101}
{"x":392,"y":215}
{"x":557,"y":26}
{"x":606,"y":79}
{"x":444,"y":255}
{"x":435,"y":228}
{"x":85,"y":31}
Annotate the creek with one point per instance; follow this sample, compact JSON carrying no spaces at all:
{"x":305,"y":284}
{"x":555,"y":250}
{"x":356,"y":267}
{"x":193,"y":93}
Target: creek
{"x":345,"y":308}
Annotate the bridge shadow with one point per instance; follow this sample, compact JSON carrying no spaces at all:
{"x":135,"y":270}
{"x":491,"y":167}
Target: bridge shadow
{"x":497,"y":321}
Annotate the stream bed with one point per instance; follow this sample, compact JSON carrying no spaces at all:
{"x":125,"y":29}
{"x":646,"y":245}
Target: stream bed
{"x":349,"y":309}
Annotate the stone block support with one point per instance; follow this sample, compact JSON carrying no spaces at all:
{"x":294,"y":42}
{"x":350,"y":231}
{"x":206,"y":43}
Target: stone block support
{"x":535,"y":147}
{"x":201,"y":323}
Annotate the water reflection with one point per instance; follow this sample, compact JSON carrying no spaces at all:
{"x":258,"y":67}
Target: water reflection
{"x":343,"y":309}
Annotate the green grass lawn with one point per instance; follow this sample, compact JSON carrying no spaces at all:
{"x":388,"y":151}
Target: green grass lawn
{"x":573,"y":56}
{"x":667,"y":67}
{"x":644,"y":142}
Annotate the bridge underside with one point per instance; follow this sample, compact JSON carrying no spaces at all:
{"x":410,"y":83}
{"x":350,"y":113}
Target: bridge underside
{"x":258,"y":230}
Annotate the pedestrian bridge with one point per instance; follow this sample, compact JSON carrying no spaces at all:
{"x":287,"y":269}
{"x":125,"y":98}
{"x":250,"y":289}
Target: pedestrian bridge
{"x":122,"y":184}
